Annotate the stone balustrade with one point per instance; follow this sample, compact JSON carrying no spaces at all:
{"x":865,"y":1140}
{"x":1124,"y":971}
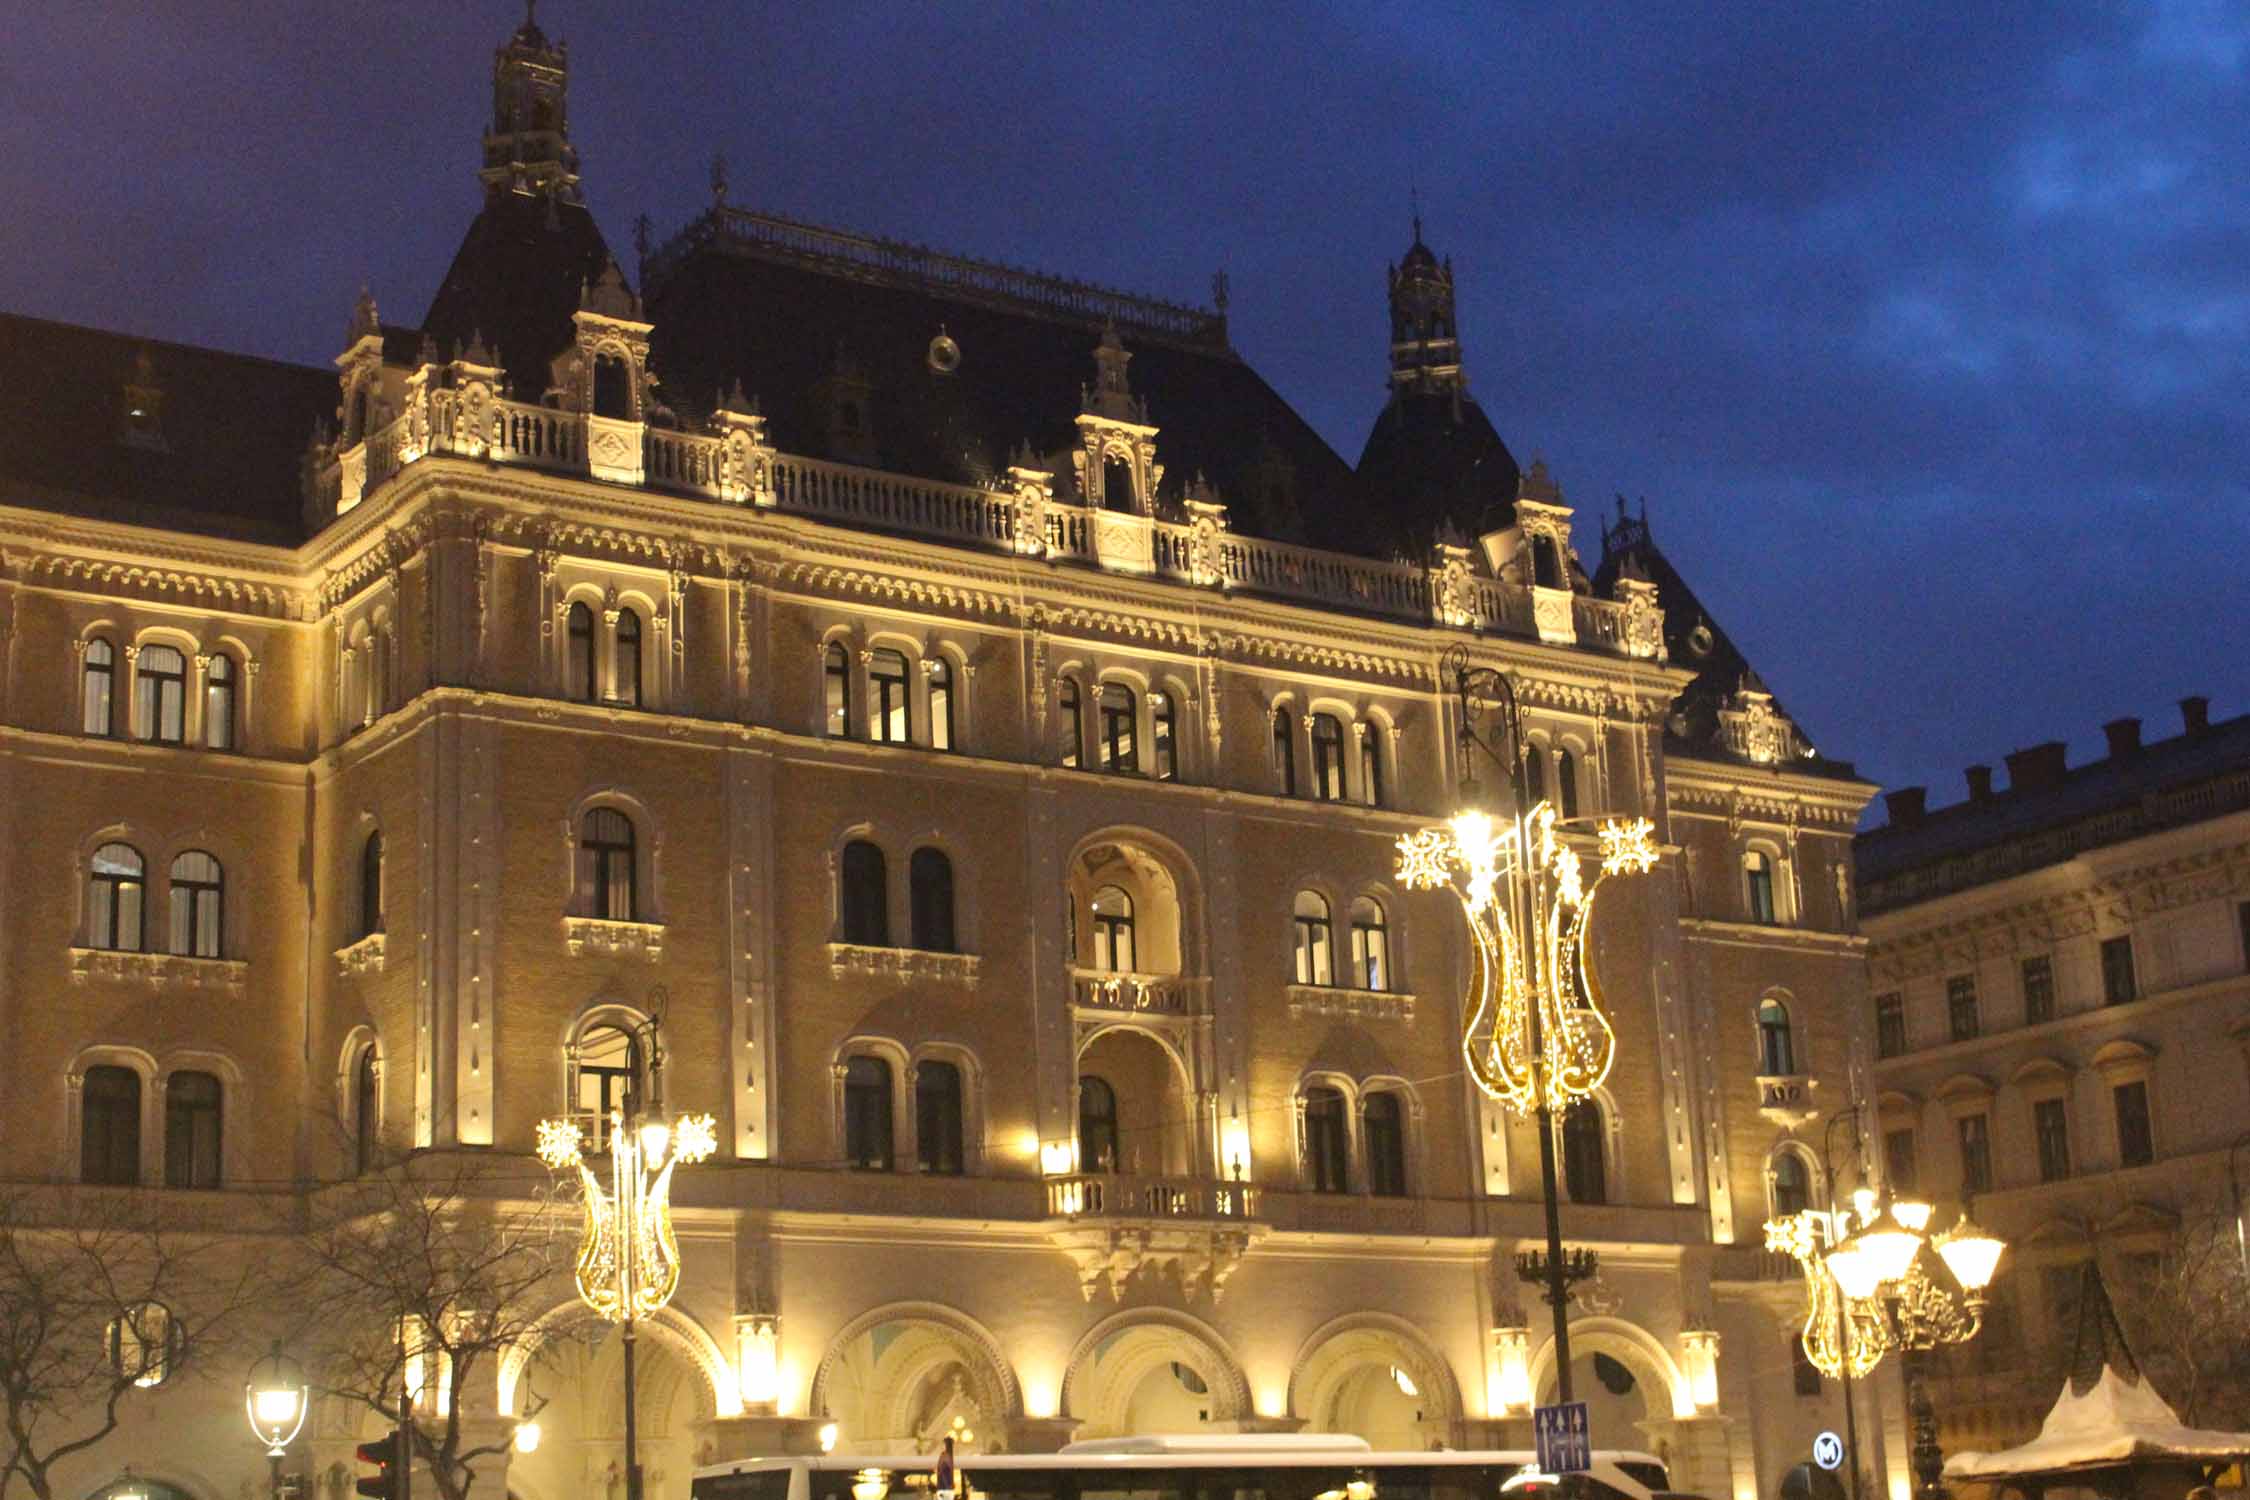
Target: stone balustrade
{"x":1103,"y":1195}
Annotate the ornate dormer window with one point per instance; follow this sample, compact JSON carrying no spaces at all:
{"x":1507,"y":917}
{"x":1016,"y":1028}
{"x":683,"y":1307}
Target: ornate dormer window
{"x":605,"y":375}
{"x":1755,"y":729}
{"x":1116,"y":457}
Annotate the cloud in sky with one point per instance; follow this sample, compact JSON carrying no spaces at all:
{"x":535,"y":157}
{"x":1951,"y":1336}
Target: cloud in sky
{"x":1920,"y":326}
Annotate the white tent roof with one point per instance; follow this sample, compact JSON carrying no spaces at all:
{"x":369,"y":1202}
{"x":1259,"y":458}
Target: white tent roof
{"x":2116,"y":1421}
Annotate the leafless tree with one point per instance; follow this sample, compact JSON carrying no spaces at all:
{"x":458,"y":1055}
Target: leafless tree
{"x":2186,"y":1309}
{"x":102,"y":1299}
{"x":436,"y":1263}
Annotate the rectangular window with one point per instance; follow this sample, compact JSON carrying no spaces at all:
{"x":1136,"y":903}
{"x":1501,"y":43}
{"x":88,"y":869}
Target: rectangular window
{"x":1976,"y":1153}
{"x":2117,"y":971}
{"x":1164,"y":736}
{"x":2038,"y":990}
{"x":1371,"y":766}
{"x":889,"y":720}
{"x":2136,"y":1144}
{"x":1890,"y":1026}
{"x":2050,"y":1124}
{"x":1119,"y":751}
{"x":1326,"y":1148}
{"x":1898,"y":1160}
{"x":1961,"y":1007}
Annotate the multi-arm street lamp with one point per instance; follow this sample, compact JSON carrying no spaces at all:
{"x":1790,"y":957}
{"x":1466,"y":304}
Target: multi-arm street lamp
{"x":1533,"y":1033}
{"x":628,"y":1262}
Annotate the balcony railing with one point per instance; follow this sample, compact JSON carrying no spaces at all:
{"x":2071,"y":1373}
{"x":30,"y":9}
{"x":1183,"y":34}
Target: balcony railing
{"x":1103,"y":1195}
{"x":1136,"y":994}
{"x":728,"y":465}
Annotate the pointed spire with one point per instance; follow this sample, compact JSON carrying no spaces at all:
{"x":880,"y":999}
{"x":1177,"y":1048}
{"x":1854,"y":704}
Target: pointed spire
{"x":1425,"y":344}
{"x":527,"y":147}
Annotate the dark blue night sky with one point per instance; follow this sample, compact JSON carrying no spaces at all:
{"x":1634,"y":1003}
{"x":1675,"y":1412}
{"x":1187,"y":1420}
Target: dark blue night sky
{"x":1922,"y":327}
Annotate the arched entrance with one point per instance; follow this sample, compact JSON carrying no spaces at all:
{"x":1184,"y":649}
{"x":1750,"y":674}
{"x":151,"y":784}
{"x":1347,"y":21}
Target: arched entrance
{"x":1374,"y":1376}
{"x":1136,"y":1112}
{"x":574,"y":1386}
{"x":1141,"y":1373}
{"x":1632,"y":1387}
{"x":899,"y":1379}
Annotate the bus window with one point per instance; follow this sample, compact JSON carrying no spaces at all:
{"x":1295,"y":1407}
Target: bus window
{"x":754,"y":1484}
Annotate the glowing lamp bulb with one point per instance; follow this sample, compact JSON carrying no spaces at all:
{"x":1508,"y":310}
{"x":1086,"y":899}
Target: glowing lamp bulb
{"x":527,"y":1437}
{"x":655,"y":1136}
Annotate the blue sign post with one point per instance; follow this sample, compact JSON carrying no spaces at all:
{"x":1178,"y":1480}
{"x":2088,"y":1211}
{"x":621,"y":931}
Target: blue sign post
{"x":1560,"y":1434}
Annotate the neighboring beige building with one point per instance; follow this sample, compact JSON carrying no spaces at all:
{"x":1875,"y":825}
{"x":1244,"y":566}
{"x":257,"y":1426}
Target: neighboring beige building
{"x":1005,"y":802}
{"x":2061,"y":1014}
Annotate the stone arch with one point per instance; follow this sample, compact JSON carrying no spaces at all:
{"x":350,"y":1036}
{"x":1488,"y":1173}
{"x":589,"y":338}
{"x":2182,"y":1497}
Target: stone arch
{"x":1109,"y":1363}
{"x":1185,"y":881}
{"x":934,"y":1337}
{"x":1340,"y":1351}
{"x":1663,"y":1385}
{"x":679,"y":1333}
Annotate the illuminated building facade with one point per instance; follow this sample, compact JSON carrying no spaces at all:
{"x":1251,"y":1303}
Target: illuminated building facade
{"x":967,"y":695}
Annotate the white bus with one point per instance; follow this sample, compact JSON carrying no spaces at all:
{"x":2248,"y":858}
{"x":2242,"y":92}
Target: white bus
{"x":1247,"y":1466}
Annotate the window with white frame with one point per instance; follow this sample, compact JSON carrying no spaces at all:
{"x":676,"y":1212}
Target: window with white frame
{"x":1371,"y":945}
{"x":1382,"y":1115}
{"x":607,"y":880}
{"x":625,"y":660}
{"x":1327,"y":758}
{"x":836,"y":691}
{"x":1777,"y":1043}
{"x":1758,"y":887}
{"x":939,"y":673}
{"x":221,"y":699}
{"x":193,"y":1114}
{"x":1314,"y":939}
{"x":1371,"y":751}
{"x":116,"y":892}
{"x":1120,"y":745}
{"x":160,"y":694}
{"x":1327,"y":1140}
{"x":1285,"y":751}
{"x":98,"y":688}
{"x":581,"y":671}
{"x":1070,"y":702}
{"x":198,"y":895}
{"x":890,"y":710}
{"x":1113,"y":930}
{"x":1164,"y":735}
{"x":608,"y":1072}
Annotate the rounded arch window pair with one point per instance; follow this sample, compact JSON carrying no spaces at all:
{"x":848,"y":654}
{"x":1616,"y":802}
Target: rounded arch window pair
{"x":1313,"y":943}
{"x":116,"y":901}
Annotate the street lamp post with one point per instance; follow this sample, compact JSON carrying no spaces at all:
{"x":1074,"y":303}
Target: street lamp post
{"x":1533,"y":1033}
{"x":275,"y":1399}
{"x":628,"y":1262}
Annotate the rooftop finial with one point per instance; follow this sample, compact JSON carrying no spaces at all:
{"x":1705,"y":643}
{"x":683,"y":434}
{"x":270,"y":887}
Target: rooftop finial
{"x":1219,"y":292}
{"x":719,"y":178}
{"x":1414,"y":199}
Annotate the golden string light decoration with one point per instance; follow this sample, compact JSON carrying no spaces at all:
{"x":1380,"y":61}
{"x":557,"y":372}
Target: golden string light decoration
{"x":1535,"y":1032}
{"x":628,"y":1262}
{"x":1803,"y":1237}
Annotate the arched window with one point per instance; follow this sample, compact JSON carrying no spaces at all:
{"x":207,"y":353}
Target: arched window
{"x":1566,"y":778}
{"x":1383,"y":1128}
{"x":609,"y":1076}
{"x":929,"y":877}
{"x":605,"y":866}
{"x":1164,"y":732}
{"x":1327,"y":758}
{"x":98,"y":687}
{"x":160,"y":694}
{"x":579,"y":667}
{"x":1285,"y":751}
{"x":1585,"y":1166}
{"x":367,"y":1109}
{"x":836,"y":691}
{"x":1097,"y":1125}
{"x":1117,"y":485}
{"x":109,"y":1127}
{"x":191,"y":1130}
{"x":1119,"y":751}
{"x":1777,"y":1049}
{"x":940,"y":673}
{"x":864,"y":900}
{"x":890,"y":714}
{"x":1792,"y":1185}
{"x":218,"y":702}
{"x":613,"y":388}
{"x":1757,"y":885}
{"x":371,"y":885}
{"x":1371,"y":945}
{"x":625,"y":683}
{"x":867,"y":1114}
{"x":1315,"y":946}
{"x":1072,"y":708}
{"x":1534,"y":774}
{"x":937,"y":1117}
{"x":116,"y":881}
{"x":1113,"y":930}
{"x":1546,"y":563}
{"x":1371,"y":765}
{"x":1327,"y":1142}
{"x":199,"y":894}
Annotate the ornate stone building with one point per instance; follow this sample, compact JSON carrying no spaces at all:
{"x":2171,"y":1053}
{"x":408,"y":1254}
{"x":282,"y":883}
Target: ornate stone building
{"x":2061,"y":1015}
{"x":930,"y":686}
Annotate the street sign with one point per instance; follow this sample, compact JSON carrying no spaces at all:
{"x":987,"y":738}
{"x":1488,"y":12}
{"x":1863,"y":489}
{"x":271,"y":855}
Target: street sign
{"x":1828,"y":1451}
{"x":1561,"y":1436}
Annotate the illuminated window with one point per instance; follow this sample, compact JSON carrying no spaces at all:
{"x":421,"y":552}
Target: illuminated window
{"x":198,"y":890}
{"x":940,"y":674}
{"x":1371,"y":766}
{"x":1113,"y":930}
{"x":890,"y":714}
{"x":191,"y":1130}
{"x":160,"y":694}
{"x":1073,"y":724}
{"x":867,"y":1114}
{"x":116,"y":883}
{"x":1327,"y":1145}
{"x":579,"y":667}
{"x":1164,"y":732}
{"x":371,"y":885}
{"x":864,"y":900}
{"x":142,"y":1343}
{"x":1585,"y":1164}
{"x":836,"y":690}
{"x":1097,"y":1125}
{"x":1566,"y":780}
{"x":1120,"y":752}
{"x":606,"y":877}
{"x":1314,"y":940}
{"x":1777,"y":1048}
{"x":1327,"y":758}
{"x":625,"y":679}
{"x":219,"y":696}
{"x":1285,"y":752}
{"x":1371,"y":945}
{"x":930,"y":888}
{"x":937,"y":1117}
{"x":99,"y":688}
{"x":109,"y":1127}
{"x":1792,"y":1184}
{"x":1383,"y":1128}
{"x":1757,"y":881}
{"x":609,"y":1076}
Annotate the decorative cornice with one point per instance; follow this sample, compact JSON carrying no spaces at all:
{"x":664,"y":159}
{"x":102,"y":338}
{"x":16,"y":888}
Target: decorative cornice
{"x":362,"y":957}
{"x":595,"y":935}
{"x":905,"y":963}
{"x":1359,"y":1005}
{"x":163,"y":971}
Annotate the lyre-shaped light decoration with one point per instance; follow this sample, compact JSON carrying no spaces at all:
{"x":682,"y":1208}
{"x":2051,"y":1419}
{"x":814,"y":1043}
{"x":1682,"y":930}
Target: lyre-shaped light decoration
{"x":1861,"y":1338}
{"x":1535,"y":1031}
{"x":628,"y":1262}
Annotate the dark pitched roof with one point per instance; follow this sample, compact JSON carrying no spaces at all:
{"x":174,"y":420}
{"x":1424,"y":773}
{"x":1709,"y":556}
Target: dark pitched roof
{"x":2192,"y":777}
{"x":221,"y":455}
{"x":789,"y":310}
{"x":516,"y":280}
{"x":1433,"y":461}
